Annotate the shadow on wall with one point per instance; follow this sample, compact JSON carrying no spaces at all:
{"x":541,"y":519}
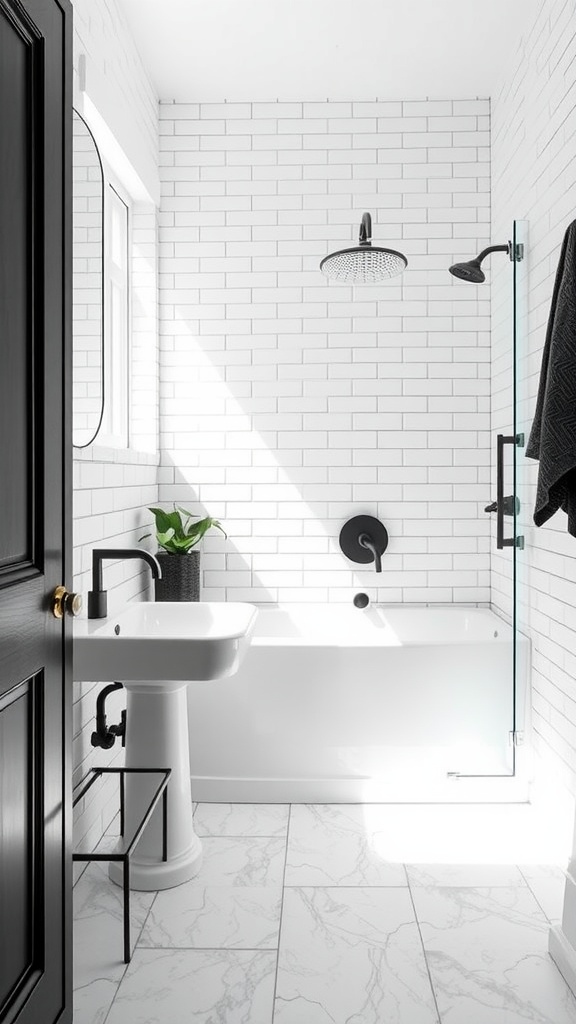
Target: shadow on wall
{"x":221,"y":558}
{"x":284,"y":437}
{"x":239,"y":567}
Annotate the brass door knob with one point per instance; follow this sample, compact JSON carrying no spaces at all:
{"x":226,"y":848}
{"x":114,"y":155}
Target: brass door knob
{"x":65,"y":603}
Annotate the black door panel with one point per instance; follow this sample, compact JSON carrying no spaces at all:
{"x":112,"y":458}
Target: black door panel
{"x":35,"y":520}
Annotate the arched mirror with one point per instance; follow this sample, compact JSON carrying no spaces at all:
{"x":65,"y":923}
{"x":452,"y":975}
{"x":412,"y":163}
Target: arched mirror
{"x":87,"y":286}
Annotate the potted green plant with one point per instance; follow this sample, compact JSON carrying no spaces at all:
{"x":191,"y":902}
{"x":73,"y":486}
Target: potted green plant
{"x":178,"y":534}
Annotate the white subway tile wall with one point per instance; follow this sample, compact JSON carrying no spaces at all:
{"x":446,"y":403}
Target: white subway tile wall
{"x":533,"y":177}
{"x":113,"y":488}
{"x":290,"y":403}
{"x":102,"y":34}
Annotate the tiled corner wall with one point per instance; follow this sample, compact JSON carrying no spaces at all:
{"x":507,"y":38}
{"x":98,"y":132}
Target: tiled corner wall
{"x":102,"y":34}
{"x":290,"y":403}
{"x":534,"y":177}
{"x":113,"y":488}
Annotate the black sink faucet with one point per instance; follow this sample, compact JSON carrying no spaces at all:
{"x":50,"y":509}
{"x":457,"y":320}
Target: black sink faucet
{"x":97,"y":597}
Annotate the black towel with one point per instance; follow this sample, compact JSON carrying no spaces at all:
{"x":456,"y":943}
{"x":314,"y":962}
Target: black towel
{"x":553,"y":435}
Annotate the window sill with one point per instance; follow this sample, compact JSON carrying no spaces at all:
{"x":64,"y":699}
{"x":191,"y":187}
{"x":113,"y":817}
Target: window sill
{"x":125,"y":456}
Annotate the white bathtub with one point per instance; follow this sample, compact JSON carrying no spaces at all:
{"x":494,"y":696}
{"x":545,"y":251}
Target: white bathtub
{"x":333,"y":703}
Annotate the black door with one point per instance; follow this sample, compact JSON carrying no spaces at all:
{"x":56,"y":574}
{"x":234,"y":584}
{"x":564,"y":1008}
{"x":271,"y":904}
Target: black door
{"x":35,"y":825}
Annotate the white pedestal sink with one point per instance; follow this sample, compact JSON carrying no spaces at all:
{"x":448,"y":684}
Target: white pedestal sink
{"x":155,"y":650}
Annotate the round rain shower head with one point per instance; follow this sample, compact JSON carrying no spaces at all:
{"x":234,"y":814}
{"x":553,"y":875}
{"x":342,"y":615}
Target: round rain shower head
{"x":471,"y":271}
{"x":364,"y":263}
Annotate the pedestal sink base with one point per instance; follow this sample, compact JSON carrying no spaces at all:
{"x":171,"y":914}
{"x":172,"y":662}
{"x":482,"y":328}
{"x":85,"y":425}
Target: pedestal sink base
{"x":149,"y":877}
{"x":157,"y":737}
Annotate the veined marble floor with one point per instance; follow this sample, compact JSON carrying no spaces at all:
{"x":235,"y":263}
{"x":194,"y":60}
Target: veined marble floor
{"x":335,"y":914}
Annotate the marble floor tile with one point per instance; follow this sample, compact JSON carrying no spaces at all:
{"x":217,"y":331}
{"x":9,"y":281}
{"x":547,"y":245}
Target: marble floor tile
{"x":196,"y":987}
{"x":215,"y":917}
{"x":334,"y":844}
{"x":233,"y":902}
{"x":547,"y":882}
{"x":351,"y":955}
{"x":98,"y":941}
{"x":238,"y":861}
{"x":241,"y":819}
{"x":487,"y":953}
{"x":457,"y":875}
{"x":350,"y":945}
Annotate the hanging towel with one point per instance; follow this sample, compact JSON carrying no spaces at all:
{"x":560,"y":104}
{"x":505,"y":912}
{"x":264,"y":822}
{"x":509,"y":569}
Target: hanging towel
{"x":553,"y":436}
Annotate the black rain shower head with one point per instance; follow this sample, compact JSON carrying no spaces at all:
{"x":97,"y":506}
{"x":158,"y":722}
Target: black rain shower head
{"x":365,"y":263}
{"x":472,"y":270}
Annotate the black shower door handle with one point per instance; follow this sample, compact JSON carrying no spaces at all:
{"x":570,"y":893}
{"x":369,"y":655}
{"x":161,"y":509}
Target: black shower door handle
{"x":501,"y":540}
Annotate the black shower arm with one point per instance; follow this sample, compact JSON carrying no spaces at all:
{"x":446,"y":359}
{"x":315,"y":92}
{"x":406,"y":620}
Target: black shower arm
{"x":492,"y":248}
{"x":365,"y":237}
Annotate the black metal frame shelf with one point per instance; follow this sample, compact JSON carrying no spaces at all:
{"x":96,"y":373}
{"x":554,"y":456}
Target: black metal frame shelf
{"x":124,"y":856}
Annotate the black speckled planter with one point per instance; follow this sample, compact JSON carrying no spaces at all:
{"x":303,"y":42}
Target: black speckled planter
{"x":180,"y":577}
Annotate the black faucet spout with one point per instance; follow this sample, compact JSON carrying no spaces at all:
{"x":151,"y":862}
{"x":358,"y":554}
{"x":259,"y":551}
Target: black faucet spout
{"x":365,"y":541}
{"x":98,"y":597}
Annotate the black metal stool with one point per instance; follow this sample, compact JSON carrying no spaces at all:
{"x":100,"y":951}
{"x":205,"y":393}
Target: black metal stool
{"x":124,"y":857}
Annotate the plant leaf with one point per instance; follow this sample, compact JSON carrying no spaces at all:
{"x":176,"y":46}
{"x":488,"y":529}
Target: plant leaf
{"x":199,"y":528}
{"x":162,"y":519}
{"x":175,"y":521}
{"x":165,"y":540}
{"x":218,"y":525}
{"x":178,"y":536}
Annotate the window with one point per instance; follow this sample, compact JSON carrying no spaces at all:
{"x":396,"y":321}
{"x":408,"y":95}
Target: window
{"x":117,"y":320}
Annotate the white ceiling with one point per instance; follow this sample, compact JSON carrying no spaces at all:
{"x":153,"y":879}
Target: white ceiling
{"x":215,"y":50}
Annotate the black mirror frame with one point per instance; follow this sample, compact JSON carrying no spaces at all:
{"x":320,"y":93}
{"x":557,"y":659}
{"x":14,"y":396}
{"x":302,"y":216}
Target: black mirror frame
{"x":87,"y":444}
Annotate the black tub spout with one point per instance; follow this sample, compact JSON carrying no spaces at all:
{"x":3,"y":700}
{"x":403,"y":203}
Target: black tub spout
{"x":365,"y":541}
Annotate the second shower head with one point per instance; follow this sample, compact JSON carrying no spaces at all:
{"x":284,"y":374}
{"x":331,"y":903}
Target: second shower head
{"x":472,"y":270}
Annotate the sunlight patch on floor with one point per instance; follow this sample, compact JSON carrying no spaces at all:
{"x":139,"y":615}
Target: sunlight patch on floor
{"x":467,"y":834}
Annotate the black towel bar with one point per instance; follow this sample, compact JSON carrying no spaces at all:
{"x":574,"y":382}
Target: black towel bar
{"x":501,"y":541}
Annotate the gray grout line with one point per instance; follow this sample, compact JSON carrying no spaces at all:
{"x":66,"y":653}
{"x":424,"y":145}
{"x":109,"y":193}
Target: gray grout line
{"x":211,"y":949}
{"x":126,"y":966}
{"x":531,"y":891}
{"x":281,"y":915}
{"x":213,"y":835}
{"x":527,"y":883}
{"x":432,"y":989}
{"x":359,"y":885}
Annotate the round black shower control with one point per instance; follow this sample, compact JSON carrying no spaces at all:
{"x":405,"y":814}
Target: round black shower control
{"x":361,"y":600}
{"x":364,"y":539}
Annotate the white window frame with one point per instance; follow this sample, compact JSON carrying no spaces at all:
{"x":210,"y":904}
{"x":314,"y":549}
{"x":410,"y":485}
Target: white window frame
{"x":115,"y":431}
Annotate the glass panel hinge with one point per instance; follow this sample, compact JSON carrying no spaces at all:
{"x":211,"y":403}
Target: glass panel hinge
{"x":516,"y":251}
{"x":516,"y":739}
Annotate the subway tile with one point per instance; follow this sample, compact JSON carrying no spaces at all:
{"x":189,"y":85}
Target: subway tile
{"x":344,"y":393}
